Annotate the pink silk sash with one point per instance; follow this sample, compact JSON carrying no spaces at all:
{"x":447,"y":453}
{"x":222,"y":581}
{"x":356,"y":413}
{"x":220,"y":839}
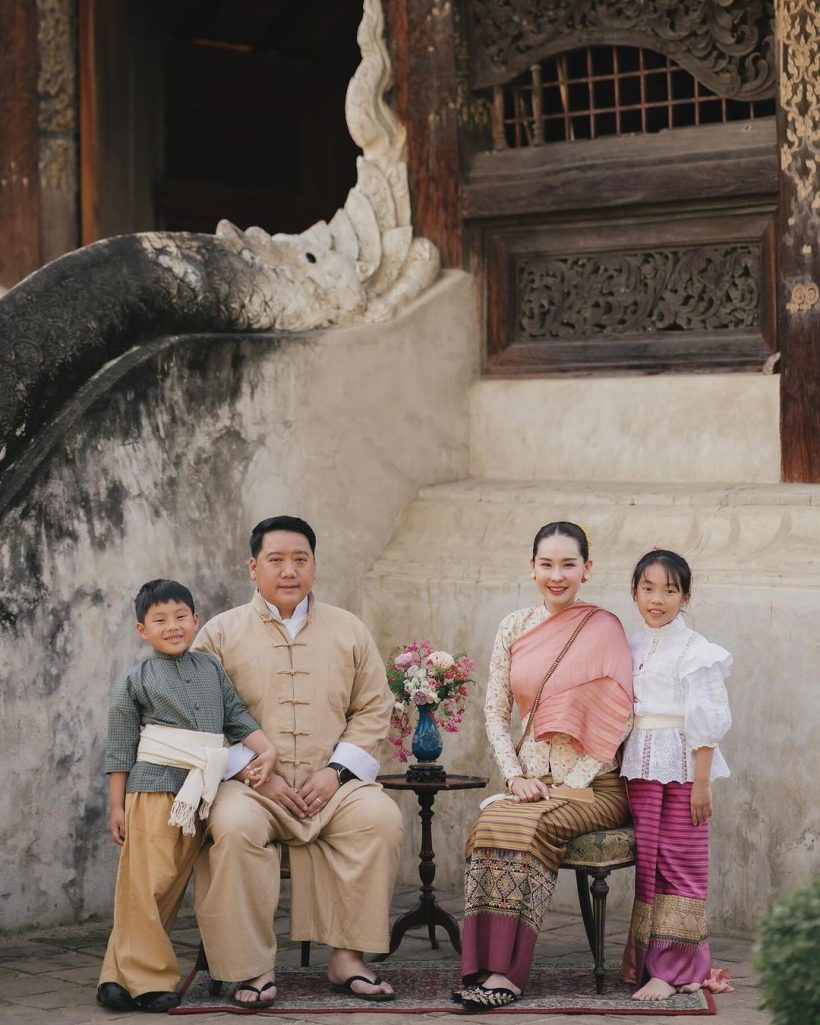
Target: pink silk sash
{"x":589,"y":696}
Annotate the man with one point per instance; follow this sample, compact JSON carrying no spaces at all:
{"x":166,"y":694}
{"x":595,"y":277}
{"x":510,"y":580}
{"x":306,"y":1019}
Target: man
{"x":312,"y":677}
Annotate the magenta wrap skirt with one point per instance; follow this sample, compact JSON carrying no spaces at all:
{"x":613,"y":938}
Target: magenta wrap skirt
{"x":667,"y":938}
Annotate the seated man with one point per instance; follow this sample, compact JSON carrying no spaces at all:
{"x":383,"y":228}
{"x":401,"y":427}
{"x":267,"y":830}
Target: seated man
{"x":312,"y":677}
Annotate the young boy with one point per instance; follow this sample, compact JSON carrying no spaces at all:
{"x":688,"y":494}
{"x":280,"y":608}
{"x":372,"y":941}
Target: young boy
{"x":167,"y":722}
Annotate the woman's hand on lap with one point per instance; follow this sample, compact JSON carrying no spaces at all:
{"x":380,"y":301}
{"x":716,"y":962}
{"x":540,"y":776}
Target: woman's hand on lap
{"x":528,"y":789}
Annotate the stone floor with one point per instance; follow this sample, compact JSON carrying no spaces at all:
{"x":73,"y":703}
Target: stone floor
{"x":50,"y":976}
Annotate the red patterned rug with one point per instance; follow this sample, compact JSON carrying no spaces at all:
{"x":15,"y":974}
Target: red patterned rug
{"x":424,"y":986}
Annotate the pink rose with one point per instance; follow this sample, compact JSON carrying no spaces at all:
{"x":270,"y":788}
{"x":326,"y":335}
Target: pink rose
{"x":440,"y":660}
{"x":404,"y":660}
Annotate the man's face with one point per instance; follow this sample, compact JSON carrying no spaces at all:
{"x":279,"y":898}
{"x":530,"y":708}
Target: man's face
{"x":284,"y":569}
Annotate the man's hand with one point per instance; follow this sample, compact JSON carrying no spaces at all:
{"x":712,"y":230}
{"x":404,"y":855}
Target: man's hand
{"x":278,"y":790}
{"x":116,"y":824}
{"x":318,"y":789}
{"x":261,"y":768}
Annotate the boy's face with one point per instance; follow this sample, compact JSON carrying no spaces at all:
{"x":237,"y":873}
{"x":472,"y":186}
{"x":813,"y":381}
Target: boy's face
{"x":169,"y":628}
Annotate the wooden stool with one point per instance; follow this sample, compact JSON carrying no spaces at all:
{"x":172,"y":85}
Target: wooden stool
{"x":597,"y":854}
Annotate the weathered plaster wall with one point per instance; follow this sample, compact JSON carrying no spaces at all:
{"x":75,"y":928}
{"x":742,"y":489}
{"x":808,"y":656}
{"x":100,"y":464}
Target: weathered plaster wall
{"x":164,"y":473}
{"x":674,"y":427}
{"x":459,"y":563}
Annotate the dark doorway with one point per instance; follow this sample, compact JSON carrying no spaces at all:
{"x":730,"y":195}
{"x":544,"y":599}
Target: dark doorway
{"x":194,"y":110}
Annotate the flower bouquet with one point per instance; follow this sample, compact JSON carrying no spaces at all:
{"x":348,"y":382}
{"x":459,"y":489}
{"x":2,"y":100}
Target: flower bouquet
{"x":436,"y":683}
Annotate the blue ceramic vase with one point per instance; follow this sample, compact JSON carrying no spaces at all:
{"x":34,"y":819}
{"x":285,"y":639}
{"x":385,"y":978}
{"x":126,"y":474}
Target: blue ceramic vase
{"x":426,"y":744}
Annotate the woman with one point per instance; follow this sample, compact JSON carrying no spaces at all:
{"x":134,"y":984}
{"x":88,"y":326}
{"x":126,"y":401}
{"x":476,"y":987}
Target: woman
{"x":571,"y":662}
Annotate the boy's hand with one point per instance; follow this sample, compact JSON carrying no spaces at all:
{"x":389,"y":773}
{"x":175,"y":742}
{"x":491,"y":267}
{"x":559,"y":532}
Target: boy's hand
{"x":261,"y":768}
{"x":701,"y":803}
{"x":116,"y":823}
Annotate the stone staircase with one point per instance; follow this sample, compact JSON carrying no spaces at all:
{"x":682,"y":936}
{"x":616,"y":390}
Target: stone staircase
{"x":459,"y":562}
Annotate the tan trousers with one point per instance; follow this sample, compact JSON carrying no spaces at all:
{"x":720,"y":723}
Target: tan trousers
{"x":343,"y":866}
{"x":156,"y":862}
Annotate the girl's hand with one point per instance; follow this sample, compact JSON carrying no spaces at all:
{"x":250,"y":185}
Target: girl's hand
{"x":261,"y":768}
{"x":528,"y":789}
{"x":701,"y":803}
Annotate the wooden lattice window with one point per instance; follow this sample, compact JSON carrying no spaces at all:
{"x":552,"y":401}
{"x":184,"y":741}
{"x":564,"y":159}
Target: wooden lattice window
{"x":608,"y":90}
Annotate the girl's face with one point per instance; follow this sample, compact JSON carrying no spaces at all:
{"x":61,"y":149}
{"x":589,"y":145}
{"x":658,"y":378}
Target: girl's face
{"x":559,"y":570}
{"x":658,"y":597}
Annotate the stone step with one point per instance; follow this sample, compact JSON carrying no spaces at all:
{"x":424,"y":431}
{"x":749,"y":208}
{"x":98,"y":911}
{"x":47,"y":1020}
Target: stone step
{"x":479,"y":530}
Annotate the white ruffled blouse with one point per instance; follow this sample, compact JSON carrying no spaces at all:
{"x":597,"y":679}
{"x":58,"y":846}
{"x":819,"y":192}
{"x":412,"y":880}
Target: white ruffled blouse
{"x":537,"y":758}
{"x":677,"y":672}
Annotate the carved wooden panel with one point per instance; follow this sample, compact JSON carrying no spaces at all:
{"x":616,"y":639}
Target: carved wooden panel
{"x":694,"y":289}
{"x":647,"y":295}
{"x":727,"y":44}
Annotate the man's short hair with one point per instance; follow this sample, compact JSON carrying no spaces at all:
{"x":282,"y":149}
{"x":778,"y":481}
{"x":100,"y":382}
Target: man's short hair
{"x":158,"y":592}
{"x":290,"y":523}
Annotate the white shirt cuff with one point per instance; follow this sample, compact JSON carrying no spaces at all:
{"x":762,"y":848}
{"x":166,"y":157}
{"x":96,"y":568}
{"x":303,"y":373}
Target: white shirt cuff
{"x":238,"y":758}
{"x":355,"y":758}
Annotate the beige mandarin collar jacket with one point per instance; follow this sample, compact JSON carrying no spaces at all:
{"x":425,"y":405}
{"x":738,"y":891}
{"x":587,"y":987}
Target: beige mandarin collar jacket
{"x":325,"y":686}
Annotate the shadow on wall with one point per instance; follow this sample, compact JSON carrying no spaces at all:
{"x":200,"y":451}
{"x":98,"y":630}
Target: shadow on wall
{"x":160,"y":467}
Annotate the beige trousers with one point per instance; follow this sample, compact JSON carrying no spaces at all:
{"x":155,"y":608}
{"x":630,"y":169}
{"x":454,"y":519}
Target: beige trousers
{"x":343,"y":866}
{"x":156,"y":862}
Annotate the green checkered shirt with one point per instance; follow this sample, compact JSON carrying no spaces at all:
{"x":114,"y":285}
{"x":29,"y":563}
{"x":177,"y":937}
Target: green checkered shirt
{"x":189,"y":691}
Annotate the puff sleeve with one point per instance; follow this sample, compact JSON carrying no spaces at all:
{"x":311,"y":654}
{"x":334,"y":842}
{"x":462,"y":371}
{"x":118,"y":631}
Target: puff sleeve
{"x":707,"y":717}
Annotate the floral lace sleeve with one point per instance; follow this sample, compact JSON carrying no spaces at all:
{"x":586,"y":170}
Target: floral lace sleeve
{"x":499,"y":702}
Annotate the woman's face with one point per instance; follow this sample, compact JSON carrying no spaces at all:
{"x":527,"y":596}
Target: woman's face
{"x":559,"y":570}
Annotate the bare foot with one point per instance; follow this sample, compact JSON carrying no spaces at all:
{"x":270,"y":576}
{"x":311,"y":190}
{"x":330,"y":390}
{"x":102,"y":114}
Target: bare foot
{"x":496,"y":981}
{"x":690,"y":987}
{"x":655,"y":989}
{"x":246,"y":995}
{"x":344,"y":963}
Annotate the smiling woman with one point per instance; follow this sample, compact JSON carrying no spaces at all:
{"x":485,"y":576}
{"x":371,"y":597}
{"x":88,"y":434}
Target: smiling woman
{"x":566,"y":664}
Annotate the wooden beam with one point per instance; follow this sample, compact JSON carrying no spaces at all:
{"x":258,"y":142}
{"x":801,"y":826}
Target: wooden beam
{"x":421,"y":38}
{"x":798,"y":238}
{"x":19,"y":143}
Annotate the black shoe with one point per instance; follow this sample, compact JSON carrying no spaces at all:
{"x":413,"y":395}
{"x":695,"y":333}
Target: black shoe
{"x":158,"y":1002}
{"x":115,"y":998}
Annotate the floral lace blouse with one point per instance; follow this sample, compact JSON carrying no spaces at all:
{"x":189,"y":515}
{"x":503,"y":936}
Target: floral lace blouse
{"x":537,"y":758}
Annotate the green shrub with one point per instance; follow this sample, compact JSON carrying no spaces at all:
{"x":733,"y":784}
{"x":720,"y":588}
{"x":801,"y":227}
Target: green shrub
{"x":787,"y":958}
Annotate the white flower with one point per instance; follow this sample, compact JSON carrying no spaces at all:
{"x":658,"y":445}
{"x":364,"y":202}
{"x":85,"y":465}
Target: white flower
{"x":398,"y":706}
{"x":440,"y":660}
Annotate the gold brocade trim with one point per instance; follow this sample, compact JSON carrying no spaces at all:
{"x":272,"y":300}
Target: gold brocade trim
{"x":510,"y":885}
{"x":641,"y":923}
{"x":680,"y":919}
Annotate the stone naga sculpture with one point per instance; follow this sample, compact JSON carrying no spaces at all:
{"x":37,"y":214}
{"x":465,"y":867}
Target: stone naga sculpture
{"x":66,"y":321}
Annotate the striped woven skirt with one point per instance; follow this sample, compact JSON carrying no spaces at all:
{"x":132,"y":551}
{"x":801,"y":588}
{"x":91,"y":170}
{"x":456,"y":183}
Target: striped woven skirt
{"x":667,"y":938}
{"x":513,"y":854}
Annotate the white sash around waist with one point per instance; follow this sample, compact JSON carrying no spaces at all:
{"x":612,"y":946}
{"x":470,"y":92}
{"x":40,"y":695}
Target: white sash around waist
{"x":203,"y":754}
{"x":658,"y":722}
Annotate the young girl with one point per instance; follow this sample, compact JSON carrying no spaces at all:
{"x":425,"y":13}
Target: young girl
{"x":669,"y":761}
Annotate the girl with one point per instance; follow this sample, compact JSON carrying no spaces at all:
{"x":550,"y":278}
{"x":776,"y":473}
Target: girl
{"x":669,"y":761}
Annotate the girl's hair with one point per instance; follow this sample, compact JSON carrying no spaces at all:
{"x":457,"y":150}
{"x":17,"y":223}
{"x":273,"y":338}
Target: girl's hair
{"x":567,"y":530}
{"x":677,"y":569}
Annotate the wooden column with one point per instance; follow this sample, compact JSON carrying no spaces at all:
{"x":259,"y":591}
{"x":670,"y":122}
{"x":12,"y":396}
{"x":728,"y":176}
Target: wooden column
{"x":19,"y":146}
{"x":420,"y":36}
{"x":798,"y":238}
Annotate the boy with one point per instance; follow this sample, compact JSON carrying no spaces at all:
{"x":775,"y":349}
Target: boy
{"x":165,"y":757}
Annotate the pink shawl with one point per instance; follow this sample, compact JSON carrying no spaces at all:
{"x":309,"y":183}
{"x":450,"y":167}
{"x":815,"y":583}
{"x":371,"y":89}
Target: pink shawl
{"x":589,"y":696}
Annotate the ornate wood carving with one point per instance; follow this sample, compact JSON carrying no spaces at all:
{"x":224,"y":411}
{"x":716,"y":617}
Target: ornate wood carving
{"x":727,"y":44}
{"x":798,"y":256}
{"x":704,"y":288}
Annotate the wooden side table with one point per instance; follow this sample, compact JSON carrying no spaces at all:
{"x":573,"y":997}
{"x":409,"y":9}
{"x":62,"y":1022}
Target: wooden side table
{"x":427,"y":911}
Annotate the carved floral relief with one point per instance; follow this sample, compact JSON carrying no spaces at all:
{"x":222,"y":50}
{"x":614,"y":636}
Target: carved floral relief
{"x":704,"y":288}
{"x":727,"y":44}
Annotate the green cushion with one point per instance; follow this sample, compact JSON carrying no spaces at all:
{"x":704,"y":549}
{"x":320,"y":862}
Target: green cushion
{"x":601,"y":848}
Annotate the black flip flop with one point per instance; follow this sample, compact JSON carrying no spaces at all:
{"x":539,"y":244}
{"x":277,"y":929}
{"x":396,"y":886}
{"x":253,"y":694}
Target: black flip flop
{"x":260,"y":1000}
{"x":347,"y":987}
